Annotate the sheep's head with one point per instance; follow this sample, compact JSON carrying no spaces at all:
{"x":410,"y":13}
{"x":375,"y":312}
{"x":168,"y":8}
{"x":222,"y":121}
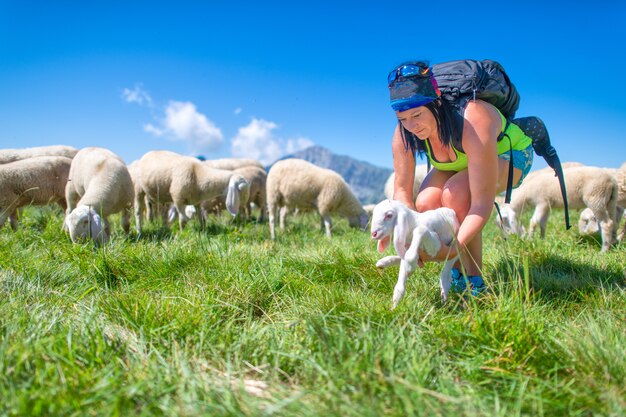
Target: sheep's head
{"x":509,"y":223}
{"x":384,"y":219}
{"x":237,"y":194}
{"x":359,"y":220}
{"x":84,"y":223}
{"x":587,"y":222}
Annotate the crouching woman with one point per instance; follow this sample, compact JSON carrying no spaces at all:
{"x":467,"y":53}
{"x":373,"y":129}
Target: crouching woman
{"x":468,"y":147}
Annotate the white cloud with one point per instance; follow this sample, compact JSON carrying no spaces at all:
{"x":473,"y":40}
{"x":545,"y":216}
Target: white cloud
{"x":256,"y":140}
{"x":183,"y":122}
{"x":137,"y":95}
{"x":237,"y":110}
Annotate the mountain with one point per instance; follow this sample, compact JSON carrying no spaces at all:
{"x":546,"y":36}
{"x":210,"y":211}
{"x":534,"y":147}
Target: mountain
{"x":366,"y":180}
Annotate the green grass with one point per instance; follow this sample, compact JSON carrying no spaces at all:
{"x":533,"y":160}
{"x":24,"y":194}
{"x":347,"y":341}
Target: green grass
{"x":189,"y":323}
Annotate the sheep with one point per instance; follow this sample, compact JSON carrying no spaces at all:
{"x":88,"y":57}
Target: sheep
{"x":232,"y":163}
{"x":38,"y":180}
{"x":586,"y":187}
{"x":12,"y":155}
{"x":169,"y":177}
{"x":295,"y":183}
{"x":420,"y":174}
{"x":427,"y":231}
{"x":99,"y":185}
{"x":257,"y":178}
{"x":588,"y":224}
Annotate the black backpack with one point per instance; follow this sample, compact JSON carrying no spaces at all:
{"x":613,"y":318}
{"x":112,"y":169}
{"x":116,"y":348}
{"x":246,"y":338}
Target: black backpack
{"x":463,"y":80}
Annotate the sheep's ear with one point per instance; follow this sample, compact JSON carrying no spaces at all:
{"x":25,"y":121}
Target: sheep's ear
{"x":401,"y":233}
{"x":232,"y":198}
{"x":95,"y":224}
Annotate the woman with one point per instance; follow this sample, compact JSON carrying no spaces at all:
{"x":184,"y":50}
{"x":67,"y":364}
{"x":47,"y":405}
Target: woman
{"x":470,"y":163}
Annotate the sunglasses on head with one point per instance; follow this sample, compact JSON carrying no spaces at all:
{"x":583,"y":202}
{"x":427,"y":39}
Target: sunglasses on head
{"x":407,"y":71}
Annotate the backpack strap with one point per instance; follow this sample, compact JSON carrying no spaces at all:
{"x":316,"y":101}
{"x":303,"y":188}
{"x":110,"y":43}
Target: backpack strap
{"x":509,"y":180}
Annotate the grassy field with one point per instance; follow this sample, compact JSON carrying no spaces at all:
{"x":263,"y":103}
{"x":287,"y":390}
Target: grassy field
{"x":224,"y":322}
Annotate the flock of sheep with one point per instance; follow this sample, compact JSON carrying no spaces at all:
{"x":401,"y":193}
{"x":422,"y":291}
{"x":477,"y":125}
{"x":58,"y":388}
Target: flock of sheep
{"x":92,"y":183}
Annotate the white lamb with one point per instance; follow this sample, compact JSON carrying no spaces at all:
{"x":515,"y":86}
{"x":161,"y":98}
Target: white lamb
{"x":586,"y":187}
{"x":588,"y":224}
{"x":11,"y":155}
{"x":420,"y":174}
{"x":295,"y":183}
{"x":99,"y":185}
{"x":412,"y":231}
{"x":38,"y":181}
{"x":169,"y":177}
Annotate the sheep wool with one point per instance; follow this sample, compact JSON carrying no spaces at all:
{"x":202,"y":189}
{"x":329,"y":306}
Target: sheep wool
{"x":99,"y":185}
{"x":170,"y":177}
{"x":11,"y":155}
{"x":296,"y":183}
{"x":38,"y":181}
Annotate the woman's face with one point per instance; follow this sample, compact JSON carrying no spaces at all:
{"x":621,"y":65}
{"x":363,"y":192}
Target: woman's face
{"x":419,"y":121}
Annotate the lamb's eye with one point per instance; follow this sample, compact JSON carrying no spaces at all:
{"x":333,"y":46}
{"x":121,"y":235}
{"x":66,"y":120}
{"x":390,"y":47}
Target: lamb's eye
{"x":388,"y":216}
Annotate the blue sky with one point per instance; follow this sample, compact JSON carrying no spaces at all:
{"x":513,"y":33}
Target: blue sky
{"x":260,"y":79}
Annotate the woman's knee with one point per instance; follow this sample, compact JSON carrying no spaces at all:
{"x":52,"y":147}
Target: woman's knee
{"x":428,"y":199}
{"x":456,"y":197}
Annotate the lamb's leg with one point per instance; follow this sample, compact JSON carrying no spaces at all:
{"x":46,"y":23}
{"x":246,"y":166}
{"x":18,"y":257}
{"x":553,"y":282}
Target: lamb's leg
{"x":283,"y":213}
{"x":271,"y":215}
{"x":182,"y":217}
{"x":619,"y":213}
{"x":126,"y":220}
{"x":327,"y":224}
{"x":71,"y":197}
{"x":607,"y":228}
{"x":540,"y":217}
{"x":140,"y":202}
{"x":13,"y":220}
{"x":399,"y":290}
{"x":446,"y":278}
{"x":388,"y":261}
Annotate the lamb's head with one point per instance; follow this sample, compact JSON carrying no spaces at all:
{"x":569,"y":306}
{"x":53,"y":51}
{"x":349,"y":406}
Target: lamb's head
{"x":509,"y":222}
{"x":238,"y":193}
{"x":84,"y":223}
{"x":360,"y":220}
{"x":587,"y":222}
{"x":384,"y":218}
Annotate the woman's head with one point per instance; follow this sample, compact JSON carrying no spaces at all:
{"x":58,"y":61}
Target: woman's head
{"x":419,"y":107}
{"x":411,"y":85}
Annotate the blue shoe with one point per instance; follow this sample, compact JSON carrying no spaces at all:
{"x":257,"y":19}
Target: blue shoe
{"x":460,"y":283}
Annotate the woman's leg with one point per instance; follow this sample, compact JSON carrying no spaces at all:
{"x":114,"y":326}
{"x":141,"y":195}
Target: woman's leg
{"x":429,"y":196}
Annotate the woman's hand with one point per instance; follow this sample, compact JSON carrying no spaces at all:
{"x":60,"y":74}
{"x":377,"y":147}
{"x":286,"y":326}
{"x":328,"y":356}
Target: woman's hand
{"x":446,"y":252}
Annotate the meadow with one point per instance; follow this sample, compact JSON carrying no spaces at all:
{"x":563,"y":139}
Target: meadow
{"x":222,"y":321}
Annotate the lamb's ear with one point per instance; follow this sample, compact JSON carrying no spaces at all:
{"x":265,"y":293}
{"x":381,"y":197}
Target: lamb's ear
{"x":96,"y":230}
{"x":232,"y":198}
{"x":401,"y":233}
{"x":383,"y":243}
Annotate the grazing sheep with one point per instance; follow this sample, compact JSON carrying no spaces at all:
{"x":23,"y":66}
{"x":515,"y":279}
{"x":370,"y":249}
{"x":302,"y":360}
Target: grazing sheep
{"x":257,"y":178}
{"x":232,"y":163}
{"x":169,"y":177}
{"x":428,"y":231}
{"x":420,"y":174}
{"x":12,"y":155}
{"x":38,"y":180}
{"x":586,"y":187}
{"x":297,"y":183}
{"x":99,"y":185}
{"x":588,"y":224}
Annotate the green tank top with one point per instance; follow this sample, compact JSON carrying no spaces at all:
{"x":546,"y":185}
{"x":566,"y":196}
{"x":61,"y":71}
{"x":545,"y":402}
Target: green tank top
{"x":519,"y":141}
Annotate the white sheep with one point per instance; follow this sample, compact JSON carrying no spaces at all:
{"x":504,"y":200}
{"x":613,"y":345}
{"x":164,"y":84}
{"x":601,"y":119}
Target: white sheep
{"x":588,"y":224}
{"x":232,"y":163}
{"x":99,"y":185}
{"x":412,"y":231}
{"x":12,"y":155}
{"x":296,"y":183}
{"x":169,"y":177}
{"x":257,"y":178}
{"x":38,"y":181}
{"x":586,"y":187}
{"x":420,"y":174}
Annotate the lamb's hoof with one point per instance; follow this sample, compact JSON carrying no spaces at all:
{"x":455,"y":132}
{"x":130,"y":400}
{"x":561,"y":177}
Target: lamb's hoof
{"x":398,"y":294}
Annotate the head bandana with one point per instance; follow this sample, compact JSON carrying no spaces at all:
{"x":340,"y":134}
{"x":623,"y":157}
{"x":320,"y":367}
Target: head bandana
{"x":413,"y":91}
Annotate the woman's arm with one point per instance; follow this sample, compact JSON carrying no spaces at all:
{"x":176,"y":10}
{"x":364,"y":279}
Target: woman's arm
{"x":404,"y":168}
{"x":480,"y":135}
